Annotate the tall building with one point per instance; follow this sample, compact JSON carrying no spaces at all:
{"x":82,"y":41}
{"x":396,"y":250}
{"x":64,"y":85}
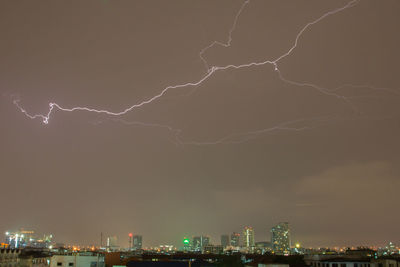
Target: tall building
{"x":224,"y":241}
{"x":280,"y":238}
{"x":199,"y":242}
{"x":248,"y":237}
{"x":196,"y":243}
{"x":137,"y":242}
{"x":205,"y":241}
{"x":235,"y":239}
{"x":186,"y":244}
{"x":112,"y":243}
{"x":130,"y":235}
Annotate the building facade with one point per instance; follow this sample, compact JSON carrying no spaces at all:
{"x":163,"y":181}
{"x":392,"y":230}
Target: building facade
{"x":199,"y":242}
{"x":213,"y":249}
{"x":248,"y":237}
{"x":235,"y":239}
{"x":77,"y":260}
{"x":280,"y":238}
{"x":9,"y":257}
{"x":349,"y":261}
{"x":137,"y":242}
{"x":224,"y":241}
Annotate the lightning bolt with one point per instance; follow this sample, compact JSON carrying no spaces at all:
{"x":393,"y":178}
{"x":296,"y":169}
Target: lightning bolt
{"x":228,"y":43}
{"x":297,"y":125}
{"x":241,"y":137}
{"x":210,"y":71}
{"x":234,"y":138}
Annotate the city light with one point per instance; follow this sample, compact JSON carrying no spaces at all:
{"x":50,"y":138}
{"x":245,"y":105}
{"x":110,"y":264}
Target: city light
{"x":320,"y":78}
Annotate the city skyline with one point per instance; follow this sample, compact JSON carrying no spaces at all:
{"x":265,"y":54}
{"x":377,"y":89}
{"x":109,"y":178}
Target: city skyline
{"x":196,"y":242}
{"x":177,"y":119}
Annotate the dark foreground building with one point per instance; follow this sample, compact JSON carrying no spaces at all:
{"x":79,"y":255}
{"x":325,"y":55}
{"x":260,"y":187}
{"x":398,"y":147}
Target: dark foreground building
{"x":186,"y":260}
{"x":157,"y":264}
{"x":169,"y":264}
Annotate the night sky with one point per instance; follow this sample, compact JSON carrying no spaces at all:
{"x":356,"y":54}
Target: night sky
{"x":242,"y":148}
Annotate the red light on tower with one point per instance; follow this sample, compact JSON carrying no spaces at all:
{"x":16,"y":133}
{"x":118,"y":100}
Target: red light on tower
{"x":130,"y":241}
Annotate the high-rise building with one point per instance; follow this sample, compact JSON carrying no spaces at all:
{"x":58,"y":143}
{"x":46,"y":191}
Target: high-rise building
{"x":280,"y":238}
{"x":199,"y":242}
{"x":224,"y":241}
{"x":112,"y":243}
{"x":235,"y":239}
{"x":205,"y":241}
{"x":186,"y":244}
{"x":196,"y":243}
{"x":130,"y":235}
{"x":137,"y":242}
{"x":248,"y":237}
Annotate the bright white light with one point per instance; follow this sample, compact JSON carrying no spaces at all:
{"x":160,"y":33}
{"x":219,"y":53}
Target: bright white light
{"x":211,"y":71}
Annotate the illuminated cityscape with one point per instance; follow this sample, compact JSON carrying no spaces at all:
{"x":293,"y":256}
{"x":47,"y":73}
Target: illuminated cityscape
{"x":197,"y":250}
{"x":225,"y":133}
{"x":27,"y":238}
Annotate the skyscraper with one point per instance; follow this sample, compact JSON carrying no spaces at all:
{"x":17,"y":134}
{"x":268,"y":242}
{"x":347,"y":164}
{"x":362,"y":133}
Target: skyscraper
{"x":199,"y":242}
{"x":137,"y":242}
{"x":224,"y":241}
{"x":248,"y":237}
{"x":280,"y":238}
{"x":235,"y":239}
{"x":112,"y":243}
{"x":205,"y":241}
{"x":186,"y":244}
{"x":130,"y":235}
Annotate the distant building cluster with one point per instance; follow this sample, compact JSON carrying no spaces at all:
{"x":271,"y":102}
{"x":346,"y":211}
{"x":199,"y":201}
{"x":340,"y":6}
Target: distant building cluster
{"x":135,"y":243}
{"x":24,"y":248}
{"x":242,"y":242}
{"x":27,"y":238}
{"x":211,"y":257}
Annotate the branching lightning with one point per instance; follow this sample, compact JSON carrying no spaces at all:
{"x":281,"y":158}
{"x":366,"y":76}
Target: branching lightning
{"x":234,"y":138}
{"x":228,"y":43}
{"x":210,"y":71}
{"x":241,"y":137}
